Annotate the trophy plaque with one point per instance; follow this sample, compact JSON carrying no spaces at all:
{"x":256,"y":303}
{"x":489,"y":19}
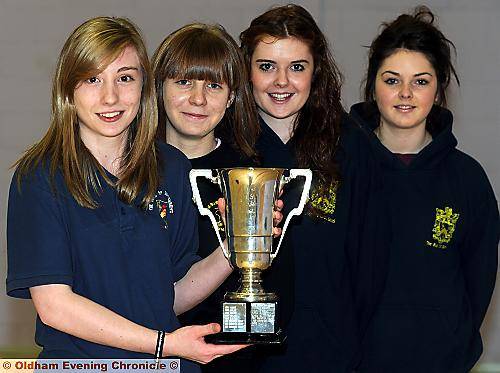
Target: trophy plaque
{"x":249,"y":314}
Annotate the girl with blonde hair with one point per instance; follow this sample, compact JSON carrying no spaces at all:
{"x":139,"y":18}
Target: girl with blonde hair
{"x":102,"y":232}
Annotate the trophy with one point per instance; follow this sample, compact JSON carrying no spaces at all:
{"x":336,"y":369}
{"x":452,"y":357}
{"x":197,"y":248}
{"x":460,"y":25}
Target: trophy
{"x":249,"y":314}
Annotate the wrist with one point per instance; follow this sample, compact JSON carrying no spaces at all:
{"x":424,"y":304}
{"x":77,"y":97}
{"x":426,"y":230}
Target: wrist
{"x":167,"y":346}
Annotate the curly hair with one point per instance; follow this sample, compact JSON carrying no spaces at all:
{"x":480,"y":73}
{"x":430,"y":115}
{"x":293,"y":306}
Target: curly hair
{"x":316,"y":130}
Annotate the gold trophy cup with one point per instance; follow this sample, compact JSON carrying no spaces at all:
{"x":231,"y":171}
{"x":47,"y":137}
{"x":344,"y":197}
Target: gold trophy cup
{"x":249,"y":315}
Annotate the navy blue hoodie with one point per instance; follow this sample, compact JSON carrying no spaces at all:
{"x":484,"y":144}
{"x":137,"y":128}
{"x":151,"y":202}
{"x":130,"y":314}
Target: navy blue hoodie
{"x":443,"y":255}
{"x":336,"y":261}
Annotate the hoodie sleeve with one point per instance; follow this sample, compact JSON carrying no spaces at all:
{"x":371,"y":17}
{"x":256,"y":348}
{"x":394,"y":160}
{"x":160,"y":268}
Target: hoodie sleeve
{"x":480,"y":253}
{"x":368,"y":233}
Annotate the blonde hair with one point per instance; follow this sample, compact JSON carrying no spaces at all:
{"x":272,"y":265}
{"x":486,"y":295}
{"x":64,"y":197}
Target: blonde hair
{"x":87,"y":52}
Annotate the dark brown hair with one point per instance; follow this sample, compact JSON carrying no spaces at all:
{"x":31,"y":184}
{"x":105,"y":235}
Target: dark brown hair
{"x":415,"y":32}
{"x":317,"y":127}
{"x":208,"y":52}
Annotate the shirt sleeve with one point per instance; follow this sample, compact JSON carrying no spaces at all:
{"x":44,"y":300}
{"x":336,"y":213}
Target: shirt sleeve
{"x":185,"y":241}
{"x":37,"y":242}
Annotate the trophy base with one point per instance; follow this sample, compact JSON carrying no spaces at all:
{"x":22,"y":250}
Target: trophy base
{"x":242,"y":338}
{"x":248,"y":323}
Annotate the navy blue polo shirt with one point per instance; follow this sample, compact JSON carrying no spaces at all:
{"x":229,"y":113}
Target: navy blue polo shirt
{"x":118,"y":255}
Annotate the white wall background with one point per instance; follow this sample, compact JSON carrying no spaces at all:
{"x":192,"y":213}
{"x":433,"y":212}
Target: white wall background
{"x":32,"y":33}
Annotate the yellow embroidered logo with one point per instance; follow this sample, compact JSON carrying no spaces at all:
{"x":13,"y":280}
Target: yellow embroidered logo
{"x":325,"y":203}
{"x":444,"y":226}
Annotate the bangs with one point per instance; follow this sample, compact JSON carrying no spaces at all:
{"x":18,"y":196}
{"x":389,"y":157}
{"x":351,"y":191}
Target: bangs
{"x":200,"y":57}
{"x":97,"y":47}
{"x":198,"y":70}
{"x":103,"y":55}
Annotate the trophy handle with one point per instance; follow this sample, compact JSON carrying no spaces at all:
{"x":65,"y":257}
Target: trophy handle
{"x":206,"y":173}
{"x":307,"y":174}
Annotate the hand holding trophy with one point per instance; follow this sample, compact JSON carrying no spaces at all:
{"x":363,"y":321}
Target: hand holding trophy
{"x":249,"y":315}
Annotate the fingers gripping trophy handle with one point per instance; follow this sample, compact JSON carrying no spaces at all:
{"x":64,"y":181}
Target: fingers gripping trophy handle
{"x":193,"y":175}
{"x":307,"y":174}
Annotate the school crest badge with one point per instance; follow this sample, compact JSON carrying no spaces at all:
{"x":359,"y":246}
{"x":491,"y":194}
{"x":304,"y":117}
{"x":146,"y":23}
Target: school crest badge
{"x":325,"y":202}
{"x":444,"y":227}
{"x":163,"y":205}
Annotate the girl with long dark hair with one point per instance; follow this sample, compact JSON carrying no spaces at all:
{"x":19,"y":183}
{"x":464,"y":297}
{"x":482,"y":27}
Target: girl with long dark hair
{"x":323,"y":267}
{"x":443,"y":212}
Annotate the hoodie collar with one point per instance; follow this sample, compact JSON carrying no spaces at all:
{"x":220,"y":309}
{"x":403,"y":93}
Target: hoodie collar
{"x":443,"y":140}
